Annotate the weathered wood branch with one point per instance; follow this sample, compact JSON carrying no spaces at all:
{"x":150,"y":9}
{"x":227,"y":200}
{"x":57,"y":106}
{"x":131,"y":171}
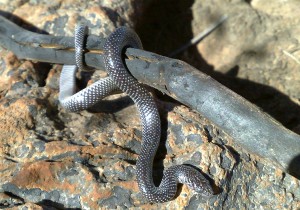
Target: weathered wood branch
{"x":244,"y":122}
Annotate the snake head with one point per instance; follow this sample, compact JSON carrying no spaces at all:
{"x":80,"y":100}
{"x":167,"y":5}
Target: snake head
{"x":201,"y":185}
{"x":196,"y":181}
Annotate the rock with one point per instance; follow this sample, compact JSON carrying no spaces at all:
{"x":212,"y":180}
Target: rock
{"x":257,"y":49}
{"x":53,"y":159}
{"x":254,"y":52}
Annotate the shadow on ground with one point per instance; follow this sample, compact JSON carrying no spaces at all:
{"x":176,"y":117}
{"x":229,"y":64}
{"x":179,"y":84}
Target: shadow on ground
{"x":167,"y":25}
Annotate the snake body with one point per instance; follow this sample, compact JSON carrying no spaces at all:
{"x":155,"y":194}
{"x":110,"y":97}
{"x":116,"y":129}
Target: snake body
{"x":89,"y":96}
{"x":119,"y":77}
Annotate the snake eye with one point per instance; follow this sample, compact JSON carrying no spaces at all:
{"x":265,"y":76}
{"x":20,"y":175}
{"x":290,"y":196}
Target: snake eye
{"x":200,"y":184}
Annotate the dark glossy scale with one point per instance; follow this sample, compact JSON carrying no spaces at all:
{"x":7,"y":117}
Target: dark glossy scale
{"x":119,"y":77}
{"x":124,"y":37}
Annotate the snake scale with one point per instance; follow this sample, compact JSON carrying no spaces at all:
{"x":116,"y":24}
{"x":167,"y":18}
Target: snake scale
{"x":120,"y":78}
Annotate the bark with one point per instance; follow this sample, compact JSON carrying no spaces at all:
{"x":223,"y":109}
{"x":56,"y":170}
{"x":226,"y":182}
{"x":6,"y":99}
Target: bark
{"x":244,"y":122}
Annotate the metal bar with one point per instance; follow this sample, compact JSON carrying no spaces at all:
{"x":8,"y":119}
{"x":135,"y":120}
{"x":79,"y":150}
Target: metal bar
{"x":244,"y":122}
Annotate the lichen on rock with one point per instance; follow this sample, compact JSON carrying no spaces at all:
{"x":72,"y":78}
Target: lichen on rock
{"x":51,"y":158}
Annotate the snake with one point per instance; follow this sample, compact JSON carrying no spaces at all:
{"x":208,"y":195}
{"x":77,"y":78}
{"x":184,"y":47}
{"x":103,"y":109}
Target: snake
{"x":120,"y":78}
{"x":69,"y":98}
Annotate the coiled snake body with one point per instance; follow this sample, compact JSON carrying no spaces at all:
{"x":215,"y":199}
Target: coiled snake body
{"x":120,"y":78}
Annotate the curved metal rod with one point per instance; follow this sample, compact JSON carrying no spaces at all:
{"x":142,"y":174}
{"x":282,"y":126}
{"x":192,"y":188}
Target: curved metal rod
{"x":244,"y":122}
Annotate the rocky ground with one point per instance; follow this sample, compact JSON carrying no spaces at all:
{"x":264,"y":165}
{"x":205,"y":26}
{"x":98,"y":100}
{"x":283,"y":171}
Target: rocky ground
{"x":53,"y":159}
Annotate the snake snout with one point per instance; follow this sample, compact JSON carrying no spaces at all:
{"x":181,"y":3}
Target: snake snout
{"x":200,"y":185}
{"x":206,"y":190}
